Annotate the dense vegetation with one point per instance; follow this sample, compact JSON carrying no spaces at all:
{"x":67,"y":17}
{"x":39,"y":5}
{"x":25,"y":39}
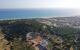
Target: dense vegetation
{"x":14,"y":34}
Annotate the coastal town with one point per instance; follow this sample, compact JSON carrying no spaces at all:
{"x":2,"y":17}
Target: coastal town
{"x":62,"y":21}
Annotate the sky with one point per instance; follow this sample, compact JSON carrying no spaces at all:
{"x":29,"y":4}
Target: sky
{"x":75,"y":4}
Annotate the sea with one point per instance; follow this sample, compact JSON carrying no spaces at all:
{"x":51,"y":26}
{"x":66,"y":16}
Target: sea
{"x":33,"y":13}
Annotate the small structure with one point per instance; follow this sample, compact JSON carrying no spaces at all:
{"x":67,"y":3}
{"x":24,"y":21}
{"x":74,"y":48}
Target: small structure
{"x":44,"y":43}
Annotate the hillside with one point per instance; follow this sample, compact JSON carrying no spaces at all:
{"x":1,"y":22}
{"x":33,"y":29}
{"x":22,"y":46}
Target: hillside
{"x":14,"y":30}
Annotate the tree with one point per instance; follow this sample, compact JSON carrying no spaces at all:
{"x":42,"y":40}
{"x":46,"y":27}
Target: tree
{"x":21,"y":45}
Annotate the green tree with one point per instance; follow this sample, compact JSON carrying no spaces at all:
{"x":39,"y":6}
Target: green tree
{"x":21,"y":45}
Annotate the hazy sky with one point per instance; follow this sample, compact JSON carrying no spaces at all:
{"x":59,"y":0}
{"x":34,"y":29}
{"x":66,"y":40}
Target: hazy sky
{"x":39,"y":3}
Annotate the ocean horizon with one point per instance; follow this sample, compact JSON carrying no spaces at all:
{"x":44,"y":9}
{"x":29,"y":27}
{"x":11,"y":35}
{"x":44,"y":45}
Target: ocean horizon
{"x":35,"y":13}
